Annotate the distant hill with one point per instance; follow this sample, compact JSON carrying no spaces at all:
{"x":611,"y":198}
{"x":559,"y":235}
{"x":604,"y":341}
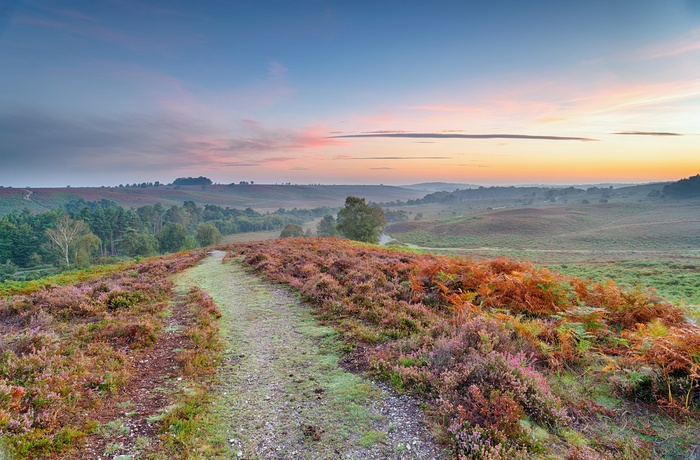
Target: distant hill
{"x":260,"y":197}
{"x":647,"y":225}
{"x":552,"y":192}
{"x":684,"y":188}
{"x":438,"y":186}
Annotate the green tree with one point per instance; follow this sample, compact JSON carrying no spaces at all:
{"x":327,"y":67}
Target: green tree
{"x":7,"y":232}
{"x":208,"y":234}
{"x":172,"y":237}
{"x":327,"y":226}
{"x":360,"y":221}
{"x":84,"y":247}
{"x":292,"y":231}
{"x":140,"y":243}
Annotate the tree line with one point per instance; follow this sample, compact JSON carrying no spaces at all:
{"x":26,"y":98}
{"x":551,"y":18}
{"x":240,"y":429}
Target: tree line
{"x":357,"y":220}
{"x":85,"y":230}
{"x":684,"y":188}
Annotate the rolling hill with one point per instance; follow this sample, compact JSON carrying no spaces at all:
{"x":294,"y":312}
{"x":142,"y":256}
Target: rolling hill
{"x":622,"y":226}
{"x":258,"y":196}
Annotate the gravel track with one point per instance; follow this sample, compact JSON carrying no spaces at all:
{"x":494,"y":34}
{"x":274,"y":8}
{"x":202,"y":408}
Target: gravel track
{"x":281,"y":393}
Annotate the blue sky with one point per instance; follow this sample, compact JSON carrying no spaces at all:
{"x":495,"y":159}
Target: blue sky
{"x":108,"y":92}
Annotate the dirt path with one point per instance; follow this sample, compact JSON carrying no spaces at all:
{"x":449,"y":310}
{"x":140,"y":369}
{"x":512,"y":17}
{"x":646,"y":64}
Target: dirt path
{"x":281,"y":393}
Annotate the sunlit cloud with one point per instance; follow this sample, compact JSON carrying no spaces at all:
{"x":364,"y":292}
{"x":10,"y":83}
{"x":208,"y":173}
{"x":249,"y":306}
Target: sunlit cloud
{"x":463,"y":136}
{"x":565,"y":102}
{"x":261,"y":139}
{"x":348,"y":157}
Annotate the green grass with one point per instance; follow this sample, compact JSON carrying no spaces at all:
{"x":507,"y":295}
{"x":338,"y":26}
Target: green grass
{"x":9,"y":288}
{"x":371,"y":438}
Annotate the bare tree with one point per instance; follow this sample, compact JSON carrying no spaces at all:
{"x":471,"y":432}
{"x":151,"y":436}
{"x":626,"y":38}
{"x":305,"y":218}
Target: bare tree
{"x":67,"y":234}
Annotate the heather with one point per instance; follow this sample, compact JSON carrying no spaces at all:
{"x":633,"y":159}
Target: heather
{"x":498,"y":349}
{"x":65,"y":349}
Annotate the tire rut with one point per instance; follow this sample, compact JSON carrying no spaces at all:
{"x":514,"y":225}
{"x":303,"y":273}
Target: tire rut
{"x":281,"y":393}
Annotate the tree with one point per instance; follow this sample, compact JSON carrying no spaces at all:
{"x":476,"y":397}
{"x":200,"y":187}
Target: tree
{"x":684,"y":188}
{"x":73,"y":240}
{"x":172,"y":237}
{"x":7,"y":232}
{"x":292,"y":231}
{"x":140,"y":243}
{"x":208,"y":234}
{"x":360,"y":221}
{"x":327,"y":226}
{"x":201,"y":180}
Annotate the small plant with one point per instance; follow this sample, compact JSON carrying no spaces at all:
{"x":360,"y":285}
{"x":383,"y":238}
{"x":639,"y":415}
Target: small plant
{"x":371,"y":438}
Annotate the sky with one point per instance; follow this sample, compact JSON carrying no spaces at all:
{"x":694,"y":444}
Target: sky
{"x":105,"y":92}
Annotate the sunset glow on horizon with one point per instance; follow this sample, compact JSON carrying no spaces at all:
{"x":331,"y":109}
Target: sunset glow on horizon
{"x":102,"y":93}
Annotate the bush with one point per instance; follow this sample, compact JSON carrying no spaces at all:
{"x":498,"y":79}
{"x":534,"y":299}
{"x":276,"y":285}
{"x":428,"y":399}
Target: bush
{"x":292,"y":231}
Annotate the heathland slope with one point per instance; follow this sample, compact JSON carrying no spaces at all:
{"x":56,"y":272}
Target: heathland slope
{"x":509,"y":361}
{"x":260,"y":197}
{"x":131,"y":364}
{"x":512,"y":361}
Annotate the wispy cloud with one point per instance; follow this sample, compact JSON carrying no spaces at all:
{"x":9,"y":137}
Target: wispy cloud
{"x":132,"y":143}
{"x":647,"y":133}
{"x":263,"y":139}
{"x":689,"y":43}
{"x":564,"y":101}
{"x":347,"y":157}
{"x":276,"y":70}
{"x":406,"y":135}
